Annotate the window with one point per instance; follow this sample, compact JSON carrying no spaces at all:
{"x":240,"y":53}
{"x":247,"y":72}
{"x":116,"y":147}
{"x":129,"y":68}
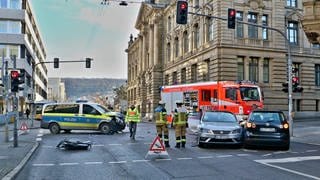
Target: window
{"x":3,"y":26}
{"x":194,"y":68}
{"x":13,"y":27}
{"x":252,"y":30}
{"x":166,"y":79}
{"x":292,"y":3}
{"x":3,"y":4}
{"x":266,"y":70}
{"x":210,"y":28}
{"x":169,"y":24}
{"x":206,"y":95}
{"x":176,"y":43}
{"x":205,"y":70}
{"x":87,"y":109}
{"x":13,"y":50}
{"x":63,"y":108}
{"x":185,"y":42}
{"x":317,"y":74}
{"x":231,"y":93}
{"x":183,"y":75}
{"x":292,"y":32}
{"x":265,"y":30}
{"x":168,"y":52}
{"x":253,"y":69}
{"x":240,"y":69}
{"x":174,"y":78}
{"x":239,"y":17}
{"x":196,"y":36}
{"x":15,"y":4}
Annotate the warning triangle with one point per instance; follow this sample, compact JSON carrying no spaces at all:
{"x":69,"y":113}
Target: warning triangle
{"x":157,"y":145}
{"x":24,"y":127}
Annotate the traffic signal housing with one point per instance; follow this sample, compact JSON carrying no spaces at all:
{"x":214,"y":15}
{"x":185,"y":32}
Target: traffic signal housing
{"x":231,"y":18}
{"x":16,"y":79}
{"x":182,"y":12}
{"x":296,"y":86}
{"x":56,"y":62}
{"x":88,"y":62}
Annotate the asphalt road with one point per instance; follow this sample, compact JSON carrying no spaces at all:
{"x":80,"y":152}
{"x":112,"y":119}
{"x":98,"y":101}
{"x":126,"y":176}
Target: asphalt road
{"x":118,"y":157}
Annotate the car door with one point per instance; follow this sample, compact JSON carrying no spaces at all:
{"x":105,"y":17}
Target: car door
{"x":90,"y":116}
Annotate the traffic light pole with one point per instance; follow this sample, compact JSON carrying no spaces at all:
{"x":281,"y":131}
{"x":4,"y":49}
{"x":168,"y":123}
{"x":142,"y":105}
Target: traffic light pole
{"x":15,"y":110}
{"x":289,"y":61}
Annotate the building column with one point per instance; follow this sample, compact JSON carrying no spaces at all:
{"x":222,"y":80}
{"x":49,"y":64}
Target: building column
{"x":151,"y":46}
{"x":156,"y":45}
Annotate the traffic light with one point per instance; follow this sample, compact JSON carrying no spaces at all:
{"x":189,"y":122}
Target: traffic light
{"x":285,"y":87}
{"x":88,"y":62}
{"x":295,"y":85}
{"x":182,"y":12}
{"x":16,"y":79}
{"x":231,"y":18}
{"x":56,"y":62}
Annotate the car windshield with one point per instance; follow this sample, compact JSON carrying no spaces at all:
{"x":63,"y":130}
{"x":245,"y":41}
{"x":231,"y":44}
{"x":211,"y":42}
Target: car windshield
{"x":249,"y":94}
{"x":274,"y":117}
{"x":218,"y":117}
{"x":102,"y":109}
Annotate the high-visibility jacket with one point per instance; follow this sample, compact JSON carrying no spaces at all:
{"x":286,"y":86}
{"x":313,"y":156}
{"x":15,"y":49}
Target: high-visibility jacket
{"x":160,"y":115}
{"x":180,"y":116}
{"x":133,"y":115}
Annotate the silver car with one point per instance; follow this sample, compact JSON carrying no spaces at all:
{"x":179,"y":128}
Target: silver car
{"x":219,"y":127}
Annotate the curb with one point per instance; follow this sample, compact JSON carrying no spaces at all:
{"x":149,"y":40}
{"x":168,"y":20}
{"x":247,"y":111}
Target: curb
{"x":12,"y":174}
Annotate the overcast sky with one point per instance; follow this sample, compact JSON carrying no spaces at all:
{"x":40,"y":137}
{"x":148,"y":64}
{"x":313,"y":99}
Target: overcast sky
{"x":76,"y":29}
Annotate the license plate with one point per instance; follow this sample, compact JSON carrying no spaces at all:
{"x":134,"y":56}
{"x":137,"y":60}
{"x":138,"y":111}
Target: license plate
{"x":219,"y":137}
{"x":267,"y":129}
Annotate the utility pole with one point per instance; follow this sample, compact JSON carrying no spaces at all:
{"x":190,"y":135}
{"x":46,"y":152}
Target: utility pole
{"x":4,"y":77}
{"x":15,"y":109}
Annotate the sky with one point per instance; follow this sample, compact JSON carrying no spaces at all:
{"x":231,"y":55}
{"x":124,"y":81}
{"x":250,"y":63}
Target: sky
{"x":76,"y":29}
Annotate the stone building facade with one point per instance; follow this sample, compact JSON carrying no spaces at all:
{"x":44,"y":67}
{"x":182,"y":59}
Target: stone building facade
{"x":165,"y":53}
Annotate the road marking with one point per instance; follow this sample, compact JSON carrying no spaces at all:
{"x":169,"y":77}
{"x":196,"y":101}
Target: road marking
{"x":4,"y":157}
{"x":68,"y":164}
{"x":163,"y":159}
{"x":93,"y":163}
{"x":205,"y":157}
{"x":265,"y":155}
{"x":97,"y":145}
{"x":186,"y":158}
{"x":243,"y":155}
{"x":224,"y":156}
{"x":38,"y":139}
{"x":142,"y":160}
{"x":286,"y":160}
{"x":39,"y":135}
{"x":117,"y":162}
{"x":132,"y":143}
{"x":48,"y":146}
{"x":313,"y":150}
{"x":115,"y":144}
{"x":42,"y":164}
{"x":248,"y":150}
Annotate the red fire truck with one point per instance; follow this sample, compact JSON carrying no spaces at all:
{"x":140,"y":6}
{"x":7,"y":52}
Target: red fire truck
{"x":238,"y":97}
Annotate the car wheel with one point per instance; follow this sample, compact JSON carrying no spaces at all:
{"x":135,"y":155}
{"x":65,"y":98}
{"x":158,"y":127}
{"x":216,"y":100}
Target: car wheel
{"x":105,"y":128}
{"x":200,"y":144}
{"x":54,"y":128}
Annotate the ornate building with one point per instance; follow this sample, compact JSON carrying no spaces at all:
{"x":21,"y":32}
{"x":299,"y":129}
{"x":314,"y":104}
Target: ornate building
{"x":165,"y":53}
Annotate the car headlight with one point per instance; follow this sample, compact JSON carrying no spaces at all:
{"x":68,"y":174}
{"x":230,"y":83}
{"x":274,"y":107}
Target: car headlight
{"x":209,"y":131}
{"x":236,"y":131}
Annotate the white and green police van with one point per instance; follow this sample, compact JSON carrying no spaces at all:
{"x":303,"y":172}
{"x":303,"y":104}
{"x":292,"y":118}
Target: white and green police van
{"x":81,"y":116}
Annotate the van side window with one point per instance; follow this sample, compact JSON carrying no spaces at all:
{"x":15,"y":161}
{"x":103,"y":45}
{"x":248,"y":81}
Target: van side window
{"x":87,"y":109}
{"x":67,"y":108}
{"x":49,"y":109}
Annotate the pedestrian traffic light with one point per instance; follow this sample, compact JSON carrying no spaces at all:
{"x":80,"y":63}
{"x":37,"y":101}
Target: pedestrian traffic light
{"x":231,"y":18}
{"x":56,"y":62}
{"x":14,"y":81}
{"x":295,"y":85}
{"x":285,"y":87}
{"x":182,"y":12}
{"x":88,"y":62}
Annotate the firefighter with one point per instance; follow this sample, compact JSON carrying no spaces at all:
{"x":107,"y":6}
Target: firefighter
{"x":161,"y":123}
{"x":180,"y":124}
{"x":132,"y":117}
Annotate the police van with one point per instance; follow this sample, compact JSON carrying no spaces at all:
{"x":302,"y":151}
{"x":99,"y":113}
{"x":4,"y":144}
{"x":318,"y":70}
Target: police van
{"x":80,"y":116}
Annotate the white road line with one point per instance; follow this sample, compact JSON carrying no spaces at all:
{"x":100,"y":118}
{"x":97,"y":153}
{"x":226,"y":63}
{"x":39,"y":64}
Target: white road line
{"x":39,"y":135}
{"x":132,"y":143}
{"x":205,"y":157}
{"x":243,"y":155}
{"x":266,"y":161}
{"x":48,"y":146}
{"x":280,"y":152}
{"x":313,"y":150}
{"x":247,"y":150}
{"x":42,"y":164}
{"x":93,"y":163}
{"x":4,"y":157}
{"x":38,"y":139}
{"x":97,"y":145}
{"x":41,"y":131}
{"x":68,"y":164}
{"x":115,"y":144}
{"x":265,"y":155}
{"x":224,"y":156}
{"x":186,"y":158}
{"x":117,"y":162}
{"x":163,"y":159}
{"x":142,"y":160}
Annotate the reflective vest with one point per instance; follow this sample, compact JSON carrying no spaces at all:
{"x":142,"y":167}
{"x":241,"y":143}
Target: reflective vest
{"x":180,"y":116}
{"x":133,"y":115}
{"x":160,"y":115}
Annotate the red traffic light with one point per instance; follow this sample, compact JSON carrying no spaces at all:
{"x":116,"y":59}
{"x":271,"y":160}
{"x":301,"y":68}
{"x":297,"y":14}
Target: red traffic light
{"x":295,"y":79}
{"x":14,"y":74}
{"x":183,"y":6}
{"x":232,"y":12}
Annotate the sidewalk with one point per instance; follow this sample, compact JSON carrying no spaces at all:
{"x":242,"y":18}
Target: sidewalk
{"x":13,"y":159}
